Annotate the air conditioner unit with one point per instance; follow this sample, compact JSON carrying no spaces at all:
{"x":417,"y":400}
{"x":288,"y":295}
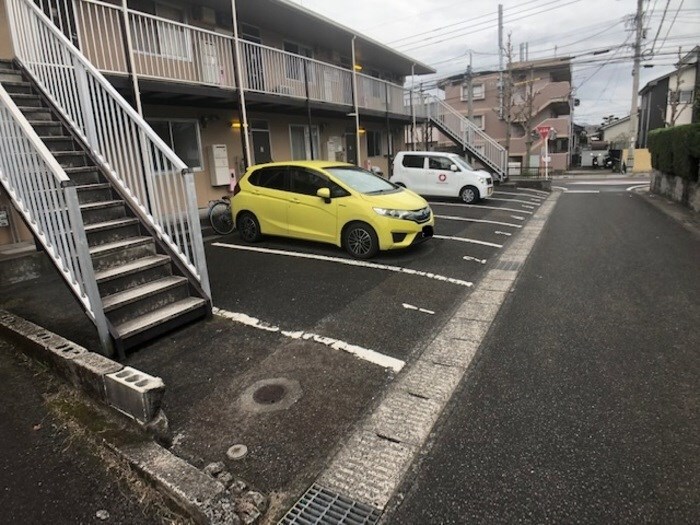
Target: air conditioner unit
{"x":204,"y":14}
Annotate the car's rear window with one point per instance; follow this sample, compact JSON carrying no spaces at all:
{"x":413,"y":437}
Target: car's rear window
{"x":362,"y":180}
{"x":276,"y":178}
{"x":413,"y":161}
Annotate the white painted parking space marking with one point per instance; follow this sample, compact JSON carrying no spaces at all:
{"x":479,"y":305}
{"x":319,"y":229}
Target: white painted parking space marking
{"x":363,"y":353}
{"x":482,"y":206}
{"x":616,"y":182}
{"x":534,"y":198}
{"x":569,"y":192}
{"x":417,"y":309}
{"x":517,"y":217}
{"x":638,"y":186}
{"x":529,"y":203}
{"x":528,"y":206}
{"x":467,"y":219}
{"x":533,"y":190}
{"x":348,"y":262}
{"x":562,"y":188}
{"x":464,"y":239}
{"x":503,"y":233}
{"x":475,"y":259}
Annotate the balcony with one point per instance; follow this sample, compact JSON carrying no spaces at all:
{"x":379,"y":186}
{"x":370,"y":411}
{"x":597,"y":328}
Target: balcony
{"x":164,"y":50}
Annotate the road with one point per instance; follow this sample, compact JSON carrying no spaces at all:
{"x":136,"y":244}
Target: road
{"x":582,"y":405}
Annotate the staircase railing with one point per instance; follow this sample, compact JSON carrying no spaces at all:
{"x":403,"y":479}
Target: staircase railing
{"x":151,"y":176}
{"x":42,"y":193}
{"x":469,"y":134}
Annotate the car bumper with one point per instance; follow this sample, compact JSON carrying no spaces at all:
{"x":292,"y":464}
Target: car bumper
{"x":396,"y":233}
{"x":486,"y":191}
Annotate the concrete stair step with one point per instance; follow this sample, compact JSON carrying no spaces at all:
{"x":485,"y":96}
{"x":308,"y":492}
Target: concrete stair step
{"x":10,"y":76}
{"x":13,"y":87}
{"x":27,"y":100}
{"x":72,"y":159}
{"x":118,"y":246}
{"x":141,"y":300}
{"x":92,"y":193}
{"x":59,"y":143}
{"x":133,"y":273}
{"x":107,"y":232}
{"x":102,"y":211}
{"x":37,"y":113}
{"x":160,"y":316}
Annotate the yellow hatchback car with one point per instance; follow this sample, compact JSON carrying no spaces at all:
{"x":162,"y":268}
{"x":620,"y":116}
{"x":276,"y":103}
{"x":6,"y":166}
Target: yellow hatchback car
{"x":329,"y":202}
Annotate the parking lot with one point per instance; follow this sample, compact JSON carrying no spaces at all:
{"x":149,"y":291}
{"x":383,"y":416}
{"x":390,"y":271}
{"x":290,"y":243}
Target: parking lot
{"x":390,"y":305}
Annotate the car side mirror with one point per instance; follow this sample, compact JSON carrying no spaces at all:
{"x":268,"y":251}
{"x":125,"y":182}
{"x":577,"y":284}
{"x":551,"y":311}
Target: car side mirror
{"x":325,"y":194}
{"x":454,"y":167}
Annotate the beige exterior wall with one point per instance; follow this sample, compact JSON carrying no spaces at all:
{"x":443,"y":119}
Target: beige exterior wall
{"x":21,"y":232}
{"x":6,"y":50}
{"x":686,"y":82}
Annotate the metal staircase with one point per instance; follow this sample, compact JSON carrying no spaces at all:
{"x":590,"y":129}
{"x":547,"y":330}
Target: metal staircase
{"x":112,"y":205}
{"x":467,"y":135}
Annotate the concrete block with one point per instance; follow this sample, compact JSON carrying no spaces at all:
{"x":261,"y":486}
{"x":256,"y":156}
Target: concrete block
{"x":91,"y":370}
{"x":134,"y":393}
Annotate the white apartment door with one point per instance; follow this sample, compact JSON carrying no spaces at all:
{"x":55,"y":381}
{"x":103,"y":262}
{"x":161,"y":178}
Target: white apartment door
{"x":211,"y":69}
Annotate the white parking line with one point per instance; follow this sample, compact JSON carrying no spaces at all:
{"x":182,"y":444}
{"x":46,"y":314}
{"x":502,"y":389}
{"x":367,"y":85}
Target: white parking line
{"x":349,"y":262}
{"x":503,"y":233}
{"x":517,"y":218}
{"x":415,"y":308}
{"x":562,"y":188}
{"x":466,"y":219}
{"x":363,"y":353}
{"x":568,"y":192}
{"x":632,"y":188}
{"x":538,"y":192}
{"x":477,"y":206}
{"x":464,"y":239}
{"x":528,"y":206}
{"x":535,"y":198}
{"x":529,"y":203}
{"x":475,"y":259}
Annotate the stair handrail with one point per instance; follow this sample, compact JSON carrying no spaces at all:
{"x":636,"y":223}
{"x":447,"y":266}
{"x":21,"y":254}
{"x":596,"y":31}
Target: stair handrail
{"x":496,"y":160}
{"x":153,"y":179}
{"x":43,"y":194}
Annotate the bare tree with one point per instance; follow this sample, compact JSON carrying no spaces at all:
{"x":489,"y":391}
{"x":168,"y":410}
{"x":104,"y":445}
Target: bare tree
{"x":674,"y":96}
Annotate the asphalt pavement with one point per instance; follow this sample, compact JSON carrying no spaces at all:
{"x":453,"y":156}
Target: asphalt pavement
{"x":582,"y":404}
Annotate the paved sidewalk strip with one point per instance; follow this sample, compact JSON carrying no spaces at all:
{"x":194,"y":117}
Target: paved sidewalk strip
{"x":371,"y":465}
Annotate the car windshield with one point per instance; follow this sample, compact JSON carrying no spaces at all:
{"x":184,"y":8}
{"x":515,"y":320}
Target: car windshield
{"x":461,"y":162}
{"x":361,"y":180}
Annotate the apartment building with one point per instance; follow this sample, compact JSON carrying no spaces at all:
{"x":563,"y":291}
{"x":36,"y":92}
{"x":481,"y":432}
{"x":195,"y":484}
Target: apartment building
{"x":541,"y":97}
{"x":671,"y":99}
{"x":119,"y":121}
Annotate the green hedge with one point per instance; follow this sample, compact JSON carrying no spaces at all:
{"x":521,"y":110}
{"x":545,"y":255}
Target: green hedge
{"x":675,"y":151}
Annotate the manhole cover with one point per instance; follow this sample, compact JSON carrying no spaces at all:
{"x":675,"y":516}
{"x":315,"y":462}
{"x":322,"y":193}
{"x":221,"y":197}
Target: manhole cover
{"x":269,"y":394}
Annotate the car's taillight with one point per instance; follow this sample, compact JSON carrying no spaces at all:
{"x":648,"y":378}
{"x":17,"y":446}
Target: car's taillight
{"x":236,"y":189}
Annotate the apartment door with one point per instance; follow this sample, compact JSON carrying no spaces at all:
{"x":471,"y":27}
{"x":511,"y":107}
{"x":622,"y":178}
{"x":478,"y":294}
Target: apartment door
{"x":350,"y":148}
{"x":262,"y":152}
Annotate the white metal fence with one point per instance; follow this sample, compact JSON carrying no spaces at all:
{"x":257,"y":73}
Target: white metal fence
{"x":155,"y":181}
{"x":489,"y":151}
{"x":42,"y":192}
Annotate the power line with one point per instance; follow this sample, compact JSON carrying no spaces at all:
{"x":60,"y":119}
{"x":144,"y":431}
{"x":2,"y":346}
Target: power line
{"x":672,"y":22}
{"x":663,"y":17}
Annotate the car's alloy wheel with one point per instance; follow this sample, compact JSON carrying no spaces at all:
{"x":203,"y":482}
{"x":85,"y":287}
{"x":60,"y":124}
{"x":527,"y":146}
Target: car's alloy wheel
{"x":248,"y":227}
{"x":469,"y":194}
{"x":361,"y":241}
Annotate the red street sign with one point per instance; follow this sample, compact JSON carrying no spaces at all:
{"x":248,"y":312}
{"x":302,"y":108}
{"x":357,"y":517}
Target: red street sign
{"x":544,"y":131}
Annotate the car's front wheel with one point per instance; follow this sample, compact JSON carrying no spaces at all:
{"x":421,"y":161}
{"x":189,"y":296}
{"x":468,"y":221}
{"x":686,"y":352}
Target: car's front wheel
{"x":469,"y":195}
{"x":360,"y":240}
{"x":248,"y":227}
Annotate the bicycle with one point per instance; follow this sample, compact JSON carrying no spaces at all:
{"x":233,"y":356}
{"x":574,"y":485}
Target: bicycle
{"x":220,"y":216}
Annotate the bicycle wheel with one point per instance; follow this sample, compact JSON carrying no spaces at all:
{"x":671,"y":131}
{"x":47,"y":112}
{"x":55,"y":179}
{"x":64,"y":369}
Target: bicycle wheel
{"x":220,"y":218}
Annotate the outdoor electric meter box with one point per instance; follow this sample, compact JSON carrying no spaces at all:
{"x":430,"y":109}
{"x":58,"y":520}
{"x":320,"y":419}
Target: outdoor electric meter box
{"x":219,"y":169}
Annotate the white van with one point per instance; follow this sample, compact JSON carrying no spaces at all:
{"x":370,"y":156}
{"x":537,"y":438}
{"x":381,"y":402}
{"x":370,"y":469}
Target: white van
{"x":441,"y":175}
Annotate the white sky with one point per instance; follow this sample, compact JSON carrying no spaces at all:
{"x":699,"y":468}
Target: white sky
{"x":575,"y":26}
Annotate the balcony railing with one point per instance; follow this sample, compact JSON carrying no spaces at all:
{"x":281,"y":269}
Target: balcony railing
{"x":176,"y":52}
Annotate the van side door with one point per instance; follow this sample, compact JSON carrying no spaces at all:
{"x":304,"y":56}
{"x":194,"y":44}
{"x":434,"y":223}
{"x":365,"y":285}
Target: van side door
{"x":442,"y":180}
{"x":413,"y":170}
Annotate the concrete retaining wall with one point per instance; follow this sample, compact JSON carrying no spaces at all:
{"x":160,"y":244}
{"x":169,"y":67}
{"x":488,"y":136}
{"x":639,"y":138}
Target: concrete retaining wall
{"x":677,"y":189}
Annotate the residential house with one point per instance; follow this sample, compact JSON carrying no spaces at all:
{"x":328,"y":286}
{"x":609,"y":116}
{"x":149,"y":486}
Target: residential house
{"x":672,"y":99}
{"x":542,"y":96}
{"x":616,"y":133}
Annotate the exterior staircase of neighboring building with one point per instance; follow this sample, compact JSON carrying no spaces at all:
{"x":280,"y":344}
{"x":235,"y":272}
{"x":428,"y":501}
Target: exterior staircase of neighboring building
{"x":143,"y":288}
{"x":467,"y":135}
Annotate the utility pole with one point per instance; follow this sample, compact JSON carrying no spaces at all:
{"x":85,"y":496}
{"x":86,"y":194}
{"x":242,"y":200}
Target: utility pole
{"x":639,"y":28}
{"x":470,"y":91}
{"x":500,"y":60}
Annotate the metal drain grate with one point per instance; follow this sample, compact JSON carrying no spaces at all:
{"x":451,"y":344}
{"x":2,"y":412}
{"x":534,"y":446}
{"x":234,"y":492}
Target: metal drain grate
{"x":507,"y":265}
{"x":321,"y":506}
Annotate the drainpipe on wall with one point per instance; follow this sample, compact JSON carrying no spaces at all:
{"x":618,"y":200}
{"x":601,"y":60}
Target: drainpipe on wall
{"x":130,"y":58}
{"x":356,"y":104}
{"x":247,"y":160}
{"x":308,"y":112}
{"x":389,"y":152}
{"x":413,"y":108}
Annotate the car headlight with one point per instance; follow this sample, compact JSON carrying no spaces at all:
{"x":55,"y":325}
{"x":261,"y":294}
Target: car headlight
{"x":395,"y":214}
{"x":482,"y":180}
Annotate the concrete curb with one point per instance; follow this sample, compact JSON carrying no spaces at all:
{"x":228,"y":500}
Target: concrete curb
{"x":206,"y":499}
{"x":133,"y":393}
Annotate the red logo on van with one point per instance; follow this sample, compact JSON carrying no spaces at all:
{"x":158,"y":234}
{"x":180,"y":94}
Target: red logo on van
{"x":442,"y":177}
